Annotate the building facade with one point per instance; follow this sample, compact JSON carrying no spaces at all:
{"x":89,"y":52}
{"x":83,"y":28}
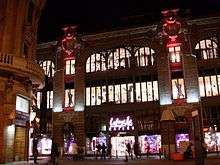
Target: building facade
{"x":20,"y":75}
{"x":156,"y":85}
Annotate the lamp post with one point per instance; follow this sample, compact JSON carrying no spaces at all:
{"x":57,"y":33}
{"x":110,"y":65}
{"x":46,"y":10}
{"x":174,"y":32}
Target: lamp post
{"x":168,"y":117}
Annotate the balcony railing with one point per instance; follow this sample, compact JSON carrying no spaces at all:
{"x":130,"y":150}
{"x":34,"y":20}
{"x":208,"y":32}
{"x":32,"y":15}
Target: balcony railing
{"x":22,"y":67}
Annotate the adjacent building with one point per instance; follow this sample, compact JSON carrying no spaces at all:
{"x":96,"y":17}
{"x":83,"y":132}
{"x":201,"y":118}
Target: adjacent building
{"x":20,"y":75}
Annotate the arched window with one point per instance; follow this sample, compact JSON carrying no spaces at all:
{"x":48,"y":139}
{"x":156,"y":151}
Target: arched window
{"x":119,"y":58}
{"x":96,"y":62}
{"x":48,"y":67}
{"x":206,"y":49}
{"x":145,"y":56}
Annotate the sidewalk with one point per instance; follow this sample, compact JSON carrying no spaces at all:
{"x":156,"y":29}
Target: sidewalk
{"x":92,"y":161}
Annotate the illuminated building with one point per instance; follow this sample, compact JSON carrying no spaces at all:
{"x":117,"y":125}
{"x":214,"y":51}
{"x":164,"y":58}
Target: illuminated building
{"x":20,"y":75}
{"x":122,"y":85}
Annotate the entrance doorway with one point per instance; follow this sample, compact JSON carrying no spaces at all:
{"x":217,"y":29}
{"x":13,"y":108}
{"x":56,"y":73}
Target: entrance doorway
{"x":119,"y":144}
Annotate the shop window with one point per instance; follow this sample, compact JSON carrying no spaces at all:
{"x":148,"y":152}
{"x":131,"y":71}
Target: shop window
{"x":178,"y":89}
{"x":174,"y":54}
{"x":69,"y":97}
{"x":206,"y":49}
{"x":119,"y":58}
{"x":49,"y":99}
{"x":96,"y":62}
{"x":70,"y":67}
{"x":48,"y":67}
{"x":145,"y":56}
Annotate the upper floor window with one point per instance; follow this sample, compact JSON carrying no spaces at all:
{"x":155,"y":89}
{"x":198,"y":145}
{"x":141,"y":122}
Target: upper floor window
{"x":39,"y":99}
{"x":178,"y":89}
{"x":174,"y":54}
{"x":48,"y":67}
{"x":69,"y":97}
{"x":70,"y":66}
{"x":49,"y":99}
{"x":145,"y":56}
{"x":119,"y":58}
{"x":96,"y":62}
{"x":209,"y":85}
{"x":206,"y":49}
{"x":122,"y":93}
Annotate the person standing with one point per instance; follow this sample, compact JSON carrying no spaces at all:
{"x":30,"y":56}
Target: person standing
{"x":109,"y":150}
{"x":54,"y":153}
{"x":103,"y":151}
{"x":35,"y":151}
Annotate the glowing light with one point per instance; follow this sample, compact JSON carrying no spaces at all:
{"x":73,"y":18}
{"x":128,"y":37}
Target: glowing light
{"x":118,"y":124}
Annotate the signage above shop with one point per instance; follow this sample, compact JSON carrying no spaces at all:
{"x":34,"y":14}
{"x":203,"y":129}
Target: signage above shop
{"x":121,"y":124}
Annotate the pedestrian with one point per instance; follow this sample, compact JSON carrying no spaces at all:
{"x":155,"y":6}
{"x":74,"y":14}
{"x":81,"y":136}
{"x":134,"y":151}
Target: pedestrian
{"x":136,"y":150}
{"x":103,"y":148}
{"x":109,"y":150}
{"x":128,"y":149}
{"x":148,"y":151}
{"x":35,"y":151}
{"x":98,"y":150}
{"x":54,"y":153}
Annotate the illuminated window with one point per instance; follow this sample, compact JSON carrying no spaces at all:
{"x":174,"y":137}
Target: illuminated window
{"x":88,"y":96}
{"x":49,"y":99}
{"x":174,"y":53}
{"x":145,"y":56}
{"x":178,"y":88}
{"x":201,"y":87}
{"x":209,"y":85}
{"x":39,"y":98}
{"x":70,"y":67}
{"x":48,"y":67}
{"x":96,"y":62}
{"x":69,"y":97}
{"x":122,"y":93}
{"x":206,"y":49}
{"x":130,"y":93}
{"x":119,"y":58}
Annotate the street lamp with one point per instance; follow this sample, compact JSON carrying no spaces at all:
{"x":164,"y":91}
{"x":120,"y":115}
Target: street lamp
{"x":168,"y":117}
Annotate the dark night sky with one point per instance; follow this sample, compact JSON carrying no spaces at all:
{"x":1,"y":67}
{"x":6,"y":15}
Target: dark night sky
{"x":100,"y":15}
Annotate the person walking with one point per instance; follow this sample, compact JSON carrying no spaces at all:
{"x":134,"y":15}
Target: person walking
{"x":103,"y":148}
{"x":35,"y":151}
{"x":54,"y":153}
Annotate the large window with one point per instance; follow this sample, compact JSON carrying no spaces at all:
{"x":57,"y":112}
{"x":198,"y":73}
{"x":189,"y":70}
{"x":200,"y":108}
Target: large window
{"x":96,"y":62}
{"x":207,"y":49}
{"x":48,"y":67}
{"x":70,"y":67}
{"x":119,"y":58}
{"x":178,"y":88}
{"x":69,"y":97}
{"x":49,"y":99}
{"x":39,"y":99}
{"x":209,"y":85}
{"x":145,"y":56}
{"x":122,"y":93}
{"x":174,"y":54}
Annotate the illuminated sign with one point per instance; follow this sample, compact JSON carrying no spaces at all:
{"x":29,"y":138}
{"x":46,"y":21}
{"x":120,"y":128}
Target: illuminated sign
{"x":117,"y":124}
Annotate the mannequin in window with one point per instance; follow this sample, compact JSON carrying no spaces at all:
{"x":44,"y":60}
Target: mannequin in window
{"x":70,"y":97}
{"x":179,"y":90}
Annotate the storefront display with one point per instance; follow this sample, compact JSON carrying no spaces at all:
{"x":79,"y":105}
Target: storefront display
{"x":212,"y":141}
{"x":154,"y":141}
{"x":69,"y":144}
{"x":182,"y":141}
{"x":119,"y":144}
{"x":44,"y":146}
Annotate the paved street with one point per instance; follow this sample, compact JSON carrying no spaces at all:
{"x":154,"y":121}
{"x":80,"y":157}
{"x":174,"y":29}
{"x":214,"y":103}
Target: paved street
{"x":209,"y":161}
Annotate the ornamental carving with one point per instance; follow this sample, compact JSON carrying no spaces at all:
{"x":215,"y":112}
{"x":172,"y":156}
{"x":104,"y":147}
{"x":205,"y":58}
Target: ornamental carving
{"x":70,"y":41}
